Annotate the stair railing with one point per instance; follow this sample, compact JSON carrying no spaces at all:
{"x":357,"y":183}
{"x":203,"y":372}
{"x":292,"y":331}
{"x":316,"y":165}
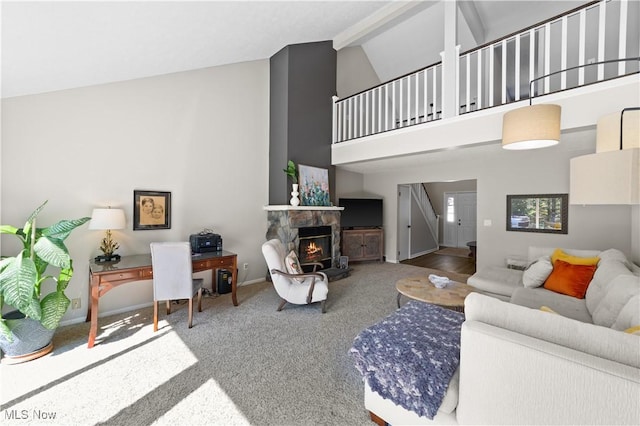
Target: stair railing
{"x":499,"y":72}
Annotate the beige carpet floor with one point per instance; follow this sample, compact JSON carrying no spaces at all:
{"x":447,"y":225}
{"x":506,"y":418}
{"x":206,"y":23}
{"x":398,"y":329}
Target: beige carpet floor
{"x":237,"y":366}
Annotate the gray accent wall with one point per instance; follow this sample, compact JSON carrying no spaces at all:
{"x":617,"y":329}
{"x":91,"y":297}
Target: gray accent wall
{"x":302,"y":84}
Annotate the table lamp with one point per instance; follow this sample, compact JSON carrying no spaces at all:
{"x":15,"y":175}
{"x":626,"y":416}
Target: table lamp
{"x":107,"y":219}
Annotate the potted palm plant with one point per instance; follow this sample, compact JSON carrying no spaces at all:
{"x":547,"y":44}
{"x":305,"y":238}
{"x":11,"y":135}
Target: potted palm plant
{"x":27,"y":332}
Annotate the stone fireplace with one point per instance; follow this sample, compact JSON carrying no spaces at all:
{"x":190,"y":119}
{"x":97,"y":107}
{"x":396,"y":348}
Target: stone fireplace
{"x":313,"y":232}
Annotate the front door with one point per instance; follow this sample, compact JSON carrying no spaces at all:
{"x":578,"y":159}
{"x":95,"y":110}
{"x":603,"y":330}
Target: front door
{"x":459,"y":218}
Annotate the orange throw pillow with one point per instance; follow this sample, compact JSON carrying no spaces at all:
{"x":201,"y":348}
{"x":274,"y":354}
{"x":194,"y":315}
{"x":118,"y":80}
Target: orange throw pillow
{"x":570,"y":279}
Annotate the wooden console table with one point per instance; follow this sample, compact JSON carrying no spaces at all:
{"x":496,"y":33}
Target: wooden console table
{"x":105,"y":276}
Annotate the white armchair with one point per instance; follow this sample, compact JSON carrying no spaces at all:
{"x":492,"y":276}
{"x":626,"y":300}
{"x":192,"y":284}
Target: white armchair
{"x":299,"y":289}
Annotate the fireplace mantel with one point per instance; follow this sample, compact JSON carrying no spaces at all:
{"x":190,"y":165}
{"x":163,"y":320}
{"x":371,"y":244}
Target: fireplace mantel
{"x":288,"y":207}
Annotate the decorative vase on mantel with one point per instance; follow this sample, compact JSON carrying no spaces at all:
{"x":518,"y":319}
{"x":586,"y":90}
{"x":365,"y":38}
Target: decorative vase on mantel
{"x":295,"y":201}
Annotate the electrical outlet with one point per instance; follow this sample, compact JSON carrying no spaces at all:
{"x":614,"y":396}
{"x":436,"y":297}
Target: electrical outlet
{"x":75,"y":303}
{"x":245,"y":266}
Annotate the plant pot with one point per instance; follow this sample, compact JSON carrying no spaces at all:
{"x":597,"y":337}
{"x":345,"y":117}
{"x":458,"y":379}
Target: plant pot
{"x":30,"y":339}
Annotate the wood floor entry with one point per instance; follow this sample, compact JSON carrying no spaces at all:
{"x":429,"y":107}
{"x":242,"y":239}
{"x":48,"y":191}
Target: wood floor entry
{"x":460,"y":265}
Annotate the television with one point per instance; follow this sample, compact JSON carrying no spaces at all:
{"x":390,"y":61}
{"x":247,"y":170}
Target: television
{"x":361,"y":212}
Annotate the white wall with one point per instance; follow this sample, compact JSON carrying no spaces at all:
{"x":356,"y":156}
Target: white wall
{"x":354,"y":72}
{"x":348,"y":184}
{"x":500,"y":172}
{"x":202,"y":135}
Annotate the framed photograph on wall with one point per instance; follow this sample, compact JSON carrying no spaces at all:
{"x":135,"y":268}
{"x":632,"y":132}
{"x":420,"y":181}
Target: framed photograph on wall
{"x":547,"y":213}
{"x":151,"y":210}
{"x":314,"y":186}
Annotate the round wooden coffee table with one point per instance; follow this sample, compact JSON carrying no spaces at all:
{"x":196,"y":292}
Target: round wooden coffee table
{"x":420,"y":288}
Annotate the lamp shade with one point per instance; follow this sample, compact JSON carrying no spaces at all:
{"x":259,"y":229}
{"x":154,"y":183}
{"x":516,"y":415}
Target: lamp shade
{"x":611,"y":177}
{"x":531,"y":127}
{"x":107,"y":219}
{"x":608,"y":131}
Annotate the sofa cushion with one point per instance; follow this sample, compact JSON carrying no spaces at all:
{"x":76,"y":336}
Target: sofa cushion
{"x":559,"y":254}
{"x":566,"y":306}
{"x":537,"y":273}
{"x":605,"y":273}
{"x":497,"y":280}
{"x":595,"y":340}
{"x":614,"y":254}
{"x":619,"y":291}
{"x":633,"y":330}
{"x":567,"y":278}
{"x":629,"y":315}
{"x":537,"y":252}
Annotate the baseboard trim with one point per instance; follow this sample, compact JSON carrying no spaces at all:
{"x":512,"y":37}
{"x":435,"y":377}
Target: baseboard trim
{"x":81,"y":319}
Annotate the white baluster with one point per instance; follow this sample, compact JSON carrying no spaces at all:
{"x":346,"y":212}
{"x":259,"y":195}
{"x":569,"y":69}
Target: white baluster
{"x":516,"y":67}
{"x":532,"y":59}
{"x":366,"y":112}
{"x":435,"y":94}
{"x":491,"y":70}
{"x":425,"y":100}
{"x":563,"y":57}
{"x":334,"y":120}
{"x":408,"y":100}
{"x":379,"y":109}
{"x":479,"y":93}
{"x":582,"y":45}
{"x":468,"y":83}
{"x":351,"y":119}
{"x":547,"y":55}
{"x":601,"y":37}
{"x":622,"y":47}
{"x":386,"y":107}
{"x":504,"y":72}
{"x":393,"y":105}
{"x":417,"y":97}
{"x":400,"y":102}
{"x":360,"y":113}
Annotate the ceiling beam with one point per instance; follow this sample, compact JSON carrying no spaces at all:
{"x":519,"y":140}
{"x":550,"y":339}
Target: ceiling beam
{"x":471,"y":15}
{"x":378,"y":22}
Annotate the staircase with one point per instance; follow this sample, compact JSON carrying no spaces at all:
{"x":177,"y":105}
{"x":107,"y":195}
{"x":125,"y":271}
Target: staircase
{"x":423,"y":201}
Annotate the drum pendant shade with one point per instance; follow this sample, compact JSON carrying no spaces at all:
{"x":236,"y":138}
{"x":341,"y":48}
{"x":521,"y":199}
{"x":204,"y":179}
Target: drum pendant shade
{"x":531,"y":127}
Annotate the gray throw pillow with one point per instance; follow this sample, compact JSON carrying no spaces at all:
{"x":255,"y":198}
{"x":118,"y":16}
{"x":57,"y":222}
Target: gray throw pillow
{"x":537,"y":273}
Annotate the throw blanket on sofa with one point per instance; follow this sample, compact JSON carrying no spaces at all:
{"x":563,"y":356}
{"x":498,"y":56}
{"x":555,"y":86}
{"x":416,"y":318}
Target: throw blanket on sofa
{"x":410,"y":356}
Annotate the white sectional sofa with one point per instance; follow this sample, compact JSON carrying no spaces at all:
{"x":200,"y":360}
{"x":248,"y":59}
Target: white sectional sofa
{"x":614,"y":282}
{"x":522,"y":365}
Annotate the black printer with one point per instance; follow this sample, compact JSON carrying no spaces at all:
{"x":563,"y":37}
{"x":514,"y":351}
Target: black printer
{"x":205,"y":242}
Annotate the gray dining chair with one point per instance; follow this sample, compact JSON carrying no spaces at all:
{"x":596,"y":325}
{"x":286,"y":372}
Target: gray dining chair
{"x":172,"y":277}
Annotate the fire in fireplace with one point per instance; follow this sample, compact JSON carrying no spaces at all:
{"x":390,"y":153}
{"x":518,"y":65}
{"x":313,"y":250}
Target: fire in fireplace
{"x":315,"y":246}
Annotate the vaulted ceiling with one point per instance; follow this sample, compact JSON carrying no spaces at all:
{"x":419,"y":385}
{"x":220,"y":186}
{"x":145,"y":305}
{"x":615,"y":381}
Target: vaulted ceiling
{"x":48,"y":46}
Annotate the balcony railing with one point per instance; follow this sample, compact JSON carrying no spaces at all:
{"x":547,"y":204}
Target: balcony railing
{"x":500,"y":72}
